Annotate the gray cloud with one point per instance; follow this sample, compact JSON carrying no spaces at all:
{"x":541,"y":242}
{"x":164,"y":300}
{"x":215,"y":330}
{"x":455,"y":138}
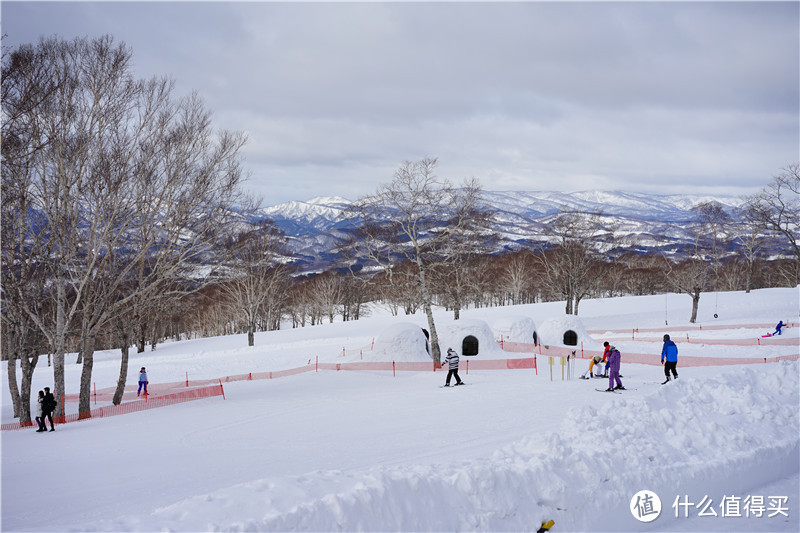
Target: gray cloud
{"x":660,"y":97}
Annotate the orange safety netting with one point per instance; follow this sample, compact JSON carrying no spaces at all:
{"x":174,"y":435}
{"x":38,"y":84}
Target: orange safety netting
{"x":145,"y":402}
{"x":163,"y":394}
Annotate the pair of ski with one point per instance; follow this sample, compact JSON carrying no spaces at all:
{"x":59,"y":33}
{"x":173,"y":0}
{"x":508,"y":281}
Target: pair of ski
{"x":448,"y":386}
{"x":615,"y":391}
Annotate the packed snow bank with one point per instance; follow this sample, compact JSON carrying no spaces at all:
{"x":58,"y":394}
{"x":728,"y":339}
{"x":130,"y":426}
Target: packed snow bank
{"x":515,"y":329}
{"x":457,"y":334}
{"x":553,"y":332}
{"x":401,"y":342}
{"x":716,"y":437}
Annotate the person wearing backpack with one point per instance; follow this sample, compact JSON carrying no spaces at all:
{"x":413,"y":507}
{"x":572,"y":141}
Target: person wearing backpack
{"x":49,"y":404}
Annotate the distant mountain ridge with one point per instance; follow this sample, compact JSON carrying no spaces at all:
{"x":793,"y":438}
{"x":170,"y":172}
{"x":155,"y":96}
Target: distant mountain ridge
{"x":314,"y":226}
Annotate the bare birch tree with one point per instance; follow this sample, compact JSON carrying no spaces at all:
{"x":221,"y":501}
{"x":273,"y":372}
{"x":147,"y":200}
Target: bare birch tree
{"x":413,"y":218}
{"x":131,"y":186}
{"x":259,"y":275}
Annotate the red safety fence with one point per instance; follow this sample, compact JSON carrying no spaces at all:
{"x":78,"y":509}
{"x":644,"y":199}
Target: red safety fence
{"x":176,"y":392}
{"x":145,"y":402}
{"x":691,"y":327}
{"x":759,"y":341}
{"x":645,"y":359}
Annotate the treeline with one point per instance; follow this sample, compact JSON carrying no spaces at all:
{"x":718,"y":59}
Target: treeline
{"x":124,"y":224}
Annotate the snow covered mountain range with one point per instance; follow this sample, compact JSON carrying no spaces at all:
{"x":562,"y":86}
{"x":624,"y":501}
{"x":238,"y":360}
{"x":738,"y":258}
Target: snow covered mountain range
{"x":642,"y":220}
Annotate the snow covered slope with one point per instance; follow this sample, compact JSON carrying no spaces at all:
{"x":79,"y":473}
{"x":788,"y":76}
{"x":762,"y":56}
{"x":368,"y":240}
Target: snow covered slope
{"x":369,"y":451}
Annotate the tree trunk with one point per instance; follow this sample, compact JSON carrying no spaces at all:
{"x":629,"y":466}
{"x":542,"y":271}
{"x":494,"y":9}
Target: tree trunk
{"x":84,"y":401}
{"x":695,"y":303}
{"x":12,"y":384}
{"x":59,"y":349}
{"x":123,"y":370}
{"x":28,"y":366}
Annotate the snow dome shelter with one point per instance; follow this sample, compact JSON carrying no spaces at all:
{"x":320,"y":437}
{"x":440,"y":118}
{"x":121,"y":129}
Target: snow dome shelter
{"x":468,"y":337}
{"x":516,"y":329}
{"x":566,"y":331}
{"x":401,"y":342}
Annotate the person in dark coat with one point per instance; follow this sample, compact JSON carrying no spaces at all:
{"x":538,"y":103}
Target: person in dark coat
{"x":669,"y":353}
{"x":48,"y":406}
{"x":452,"y":361}
{"x":778,"y":328}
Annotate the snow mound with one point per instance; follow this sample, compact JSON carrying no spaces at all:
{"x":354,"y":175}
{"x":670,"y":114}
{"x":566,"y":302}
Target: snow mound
{"x":458,"y":334}
{"x":581,"y":475}
{"x":401,"y":342}
{"x":515,"y":329}
{"x":555,"y":330}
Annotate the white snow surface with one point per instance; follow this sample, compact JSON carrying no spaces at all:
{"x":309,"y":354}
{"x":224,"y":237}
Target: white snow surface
{"x":403,"y":341}
{"x":514,"y":329}
{"x":369,"y":451}
{"x":552,"y":331}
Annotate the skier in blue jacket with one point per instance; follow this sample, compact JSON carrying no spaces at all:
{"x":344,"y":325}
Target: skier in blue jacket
{"x":142,"y":382}
{"x":670,"y":353}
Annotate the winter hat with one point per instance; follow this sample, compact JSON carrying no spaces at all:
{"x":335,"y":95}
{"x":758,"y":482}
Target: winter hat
{"x":605,"y":343}
{"x":666,"y":337}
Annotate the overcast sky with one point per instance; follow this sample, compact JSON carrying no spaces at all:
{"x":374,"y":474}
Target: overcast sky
{"x":677,"y":97}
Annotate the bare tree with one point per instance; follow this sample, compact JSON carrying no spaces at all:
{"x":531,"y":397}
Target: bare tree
{"x":777,"y":206}
{"x":131,"y":187}
{"x":569,"y":263}
{"x":694,"y":274}
{"x":259,"y":274}
{"x":413,"y":218}
{"x":714,"y":226}
{"x":468,"y":236}
{"x":751,"y":238}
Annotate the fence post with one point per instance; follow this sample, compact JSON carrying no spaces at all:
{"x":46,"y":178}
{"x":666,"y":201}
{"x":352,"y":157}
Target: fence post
{"x":95,"y":393}
{"x":467,"y":372}
{"x":221,"y":389}
{"x":535,"y":365}
{"x":187,"y":378}
{"x":393,"y":371}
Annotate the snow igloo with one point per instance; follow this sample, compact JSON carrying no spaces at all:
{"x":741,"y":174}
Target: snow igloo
{"x":566,"y":331}
{"x":516,"y":329}
{"x":468,"y":337}
{"x":401,"y":342}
